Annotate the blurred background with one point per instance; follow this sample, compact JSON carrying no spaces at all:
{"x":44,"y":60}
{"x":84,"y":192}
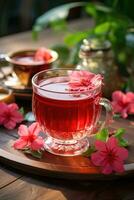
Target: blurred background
{"x":109,"y":20}
{"x":19,"y":15}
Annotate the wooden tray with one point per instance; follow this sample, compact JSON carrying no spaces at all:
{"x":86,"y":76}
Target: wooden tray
{"x":77,"y":168}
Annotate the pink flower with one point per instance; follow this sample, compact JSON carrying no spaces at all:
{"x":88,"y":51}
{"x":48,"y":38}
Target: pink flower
{"x":29,"y":137}
{"x":43,"y":54}
{"x":83,"y":80}
{"x":109,"y":156}
{"x":123,"y":103}
{"x":10,"y":115}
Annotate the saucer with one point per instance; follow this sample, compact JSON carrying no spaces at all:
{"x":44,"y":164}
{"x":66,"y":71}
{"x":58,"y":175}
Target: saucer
{"x":6,"y":95}
{"x":19,"y":90}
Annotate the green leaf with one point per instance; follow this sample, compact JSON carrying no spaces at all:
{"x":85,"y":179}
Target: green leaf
{"x":36,"y":154}
{"x":123,"y":142}
{"x":59,"y":25}
{"x":91,"y":9}
{"x":94,"y":9}
{"x":102,"y":135}
{"x":21,"y":110}
{"x":102,"y":28}
{"x":89,"y":151}
{"x":116,"y":116}
{"x":35,"y":31}
{"x":74,"y":38}
{"x":119,"y":133}
{"x":115,"y":3}
{"x":63,"y":52}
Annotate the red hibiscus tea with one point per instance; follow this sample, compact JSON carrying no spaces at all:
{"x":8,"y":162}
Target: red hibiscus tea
{"x":65,"y":114}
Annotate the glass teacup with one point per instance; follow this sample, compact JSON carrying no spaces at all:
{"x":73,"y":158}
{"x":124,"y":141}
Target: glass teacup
{"x":68,"y":108}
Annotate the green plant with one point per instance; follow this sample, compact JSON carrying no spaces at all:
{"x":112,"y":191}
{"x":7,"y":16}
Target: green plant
{"x":113,"y":22}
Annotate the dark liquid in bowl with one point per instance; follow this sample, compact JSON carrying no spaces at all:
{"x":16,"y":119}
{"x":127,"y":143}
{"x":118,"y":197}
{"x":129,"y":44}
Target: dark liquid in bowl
{"x":25,"y":66}
{"x":26,"y":60}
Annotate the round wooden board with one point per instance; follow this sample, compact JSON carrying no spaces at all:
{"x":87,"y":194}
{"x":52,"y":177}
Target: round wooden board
{"x":77,"y":167}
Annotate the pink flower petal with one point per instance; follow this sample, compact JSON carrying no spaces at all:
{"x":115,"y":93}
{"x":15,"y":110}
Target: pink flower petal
{"x":130,"y":97}
{"x":107,"y":169}
{"x":3,"y":111}
{"x":119,"y":96}
{"x":43,"y":54}
{"x":124,"y":113}
{"x":23,"y":130}
{"x":118,"y":166}
{"x":2,"y":119}
{"x":13,"y":107}
{"x":20,"y":144}
{"x":34,"y":129}
{"x":96,"y":80}
{"x":37,"y":144}
{"x":74,"y":84}
{"x":110,"y":156}
{"x":76,"y":75}
{"x":17,"y":116}
{"x":100,"y":145}
{"x":123,"y":103}
{"x":9,"y":124}
{"x":112,"y":143}
{"x":131,"y":108}
{"x":82,"y":80}
{"x":116,"y":107}
{"x":122,"y":153}
{"x":7,"y":115}
{"x":98,"y":158}
{"x":3,"y":107}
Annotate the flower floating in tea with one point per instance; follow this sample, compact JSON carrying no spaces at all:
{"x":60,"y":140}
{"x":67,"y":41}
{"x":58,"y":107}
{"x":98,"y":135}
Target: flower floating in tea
{"x":10,"y":115}
{"x":83,"y":80}
{"x":43,"y":54}
{"x":123,"y":103}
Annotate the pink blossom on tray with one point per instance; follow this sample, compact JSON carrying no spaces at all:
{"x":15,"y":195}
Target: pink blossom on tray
{"x":109,"y":156}
{"x":123,"y":103}
{"x":83,"y":80}
{"x":10,"y":115}
{"x":29,"y":137}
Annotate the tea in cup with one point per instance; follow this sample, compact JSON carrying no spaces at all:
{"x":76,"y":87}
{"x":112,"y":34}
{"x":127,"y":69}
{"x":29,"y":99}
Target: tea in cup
{"x":67,"y":105}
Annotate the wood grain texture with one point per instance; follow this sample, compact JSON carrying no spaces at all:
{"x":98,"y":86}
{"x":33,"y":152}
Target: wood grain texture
{"x":7,"y":176}
{"x":50,"y":189}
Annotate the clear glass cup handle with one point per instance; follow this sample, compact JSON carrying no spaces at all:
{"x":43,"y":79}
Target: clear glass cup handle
{"x":109,"y":112}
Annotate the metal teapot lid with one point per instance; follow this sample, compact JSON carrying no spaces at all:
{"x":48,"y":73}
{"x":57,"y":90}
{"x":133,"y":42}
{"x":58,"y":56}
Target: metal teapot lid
{"x":93,"y":45}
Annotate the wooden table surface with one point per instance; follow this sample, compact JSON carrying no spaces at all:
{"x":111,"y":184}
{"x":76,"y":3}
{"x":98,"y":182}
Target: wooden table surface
{"x":15,"y":185}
